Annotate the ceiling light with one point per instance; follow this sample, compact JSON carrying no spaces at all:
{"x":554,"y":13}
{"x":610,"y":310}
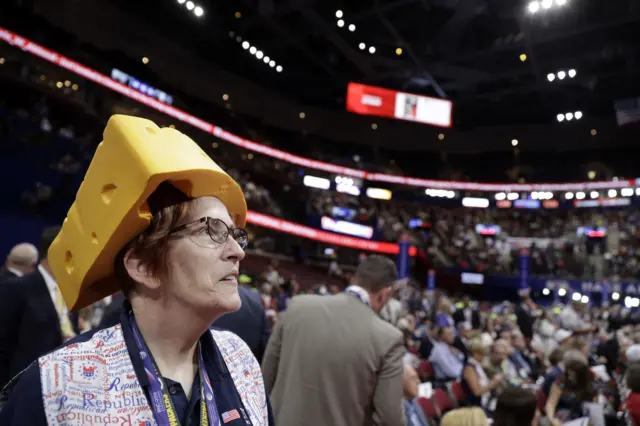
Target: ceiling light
{"x":245,"y":45}
{"x":399,"y":51}
{"x":302,"y":115}
{"x":572,"y":73}
{"x":594,"y":132}
{"x":238,"y":15}
{"x":67,"y":83}
{"x":560,"y":117}
{"x":190,"y":5}
{"x":512,"y":196}
{"x":372,"y":49}
{"x":266,"y":59}
{"x":441,"y":136}
{"x":74,"y":87}
{"x":198,"y":11}
{"x":500,"y":196}
{"x":253,"y":50}
{"x":534,"y":6}
{"x":514,"y":142}
{"x":339,"y":14}
{"x":612,"y":193}
{"x":145,"y":60}
{"x":594,"y":194}
{"x":259,"y":54}
{"x":2,"y":61}
{"x":626,"y":192}
{"x":562,"y":292}
{"x":580,"y":195}
{"x":523,"y":57}
{"x":59,"y":85}
{"x":340,"y":23}
{"x":578,"y":115}
{"x":272,"y":63}
{"x":181,"y":1}
{"x":225,"y":97}
{"x":569,"y":116}
{"x":545,"y":292}
{"x":279,"y":68}
{"x":568,"y":195}
{"x":374,"y":126}
{"x":546,"y":4}
{"x":551,"y":76}
{"x":362,"y":46}
{"x":352,"y":27}
{"x":591,"y":175}
{"x":562,"y":75}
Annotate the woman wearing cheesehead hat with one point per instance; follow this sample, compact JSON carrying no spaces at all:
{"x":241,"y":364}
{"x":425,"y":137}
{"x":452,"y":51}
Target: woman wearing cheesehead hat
{"x":156,"y":218}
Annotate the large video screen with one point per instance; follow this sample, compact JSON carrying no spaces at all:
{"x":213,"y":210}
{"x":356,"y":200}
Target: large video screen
{"x":371,"y":100}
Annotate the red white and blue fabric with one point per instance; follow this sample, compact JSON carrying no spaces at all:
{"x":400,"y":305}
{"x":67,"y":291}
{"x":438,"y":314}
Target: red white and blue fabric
{"x":359,"y":293}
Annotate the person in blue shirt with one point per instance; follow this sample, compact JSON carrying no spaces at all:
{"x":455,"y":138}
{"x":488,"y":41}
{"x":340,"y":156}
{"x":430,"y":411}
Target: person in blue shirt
{"x":413,"y":415}
{"x":447,"y":361}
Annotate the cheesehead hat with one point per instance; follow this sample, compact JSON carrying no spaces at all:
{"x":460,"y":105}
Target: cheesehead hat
{"x":134,"y":158}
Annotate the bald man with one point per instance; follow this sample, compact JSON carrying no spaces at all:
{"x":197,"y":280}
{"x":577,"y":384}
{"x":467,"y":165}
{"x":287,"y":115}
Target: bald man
{"x":22,"y":260}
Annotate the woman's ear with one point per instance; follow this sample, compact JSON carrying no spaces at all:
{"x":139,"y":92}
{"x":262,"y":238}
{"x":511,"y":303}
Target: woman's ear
{"x":138,"y":271}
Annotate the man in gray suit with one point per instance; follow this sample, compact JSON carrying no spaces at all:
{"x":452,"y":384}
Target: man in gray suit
{"x":332,"y":360}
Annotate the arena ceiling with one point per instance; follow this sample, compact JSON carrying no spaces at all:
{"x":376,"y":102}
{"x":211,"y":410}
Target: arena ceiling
{"x":466,"y":50}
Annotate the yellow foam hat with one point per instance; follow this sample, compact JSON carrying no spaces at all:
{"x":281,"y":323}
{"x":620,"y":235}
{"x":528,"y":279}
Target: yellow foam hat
{"x":111,"y":205}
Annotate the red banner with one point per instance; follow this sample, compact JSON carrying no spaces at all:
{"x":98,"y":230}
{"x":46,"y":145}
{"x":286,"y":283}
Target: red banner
{"x":101,"y":79}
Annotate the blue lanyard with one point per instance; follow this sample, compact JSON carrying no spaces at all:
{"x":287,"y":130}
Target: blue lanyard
{"x":161,"y":403}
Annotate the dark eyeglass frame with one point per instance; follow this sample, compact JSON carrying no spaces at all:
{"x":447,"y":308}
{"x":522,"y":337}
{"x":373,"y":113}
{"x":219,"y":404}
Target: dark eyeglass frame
{"x":240,"y":235}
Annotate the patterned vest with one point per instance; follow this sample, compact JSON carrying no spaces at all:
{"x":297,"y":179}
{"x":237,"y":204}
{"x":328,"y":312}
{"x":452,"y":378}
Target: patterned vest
{"x":94,"y":382}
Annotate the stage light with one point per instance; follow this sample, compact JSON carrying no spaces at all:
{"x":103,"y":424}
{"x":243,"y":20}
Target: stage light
{"x":534,"y":7}
{"x":198,"y":11}
{"x":562,"y":75}
{"x":399,"y":51}
{"x":279,"y":68}
{"x":340,"y":23}
{"x":352,"y":27}
{"x":67,"y":83}
{"x":580,"y":195}
{"x":238,"y":15}
{"x":546,"y":4}
{"x":362,"y":46}
{"x":190,"y":5}
{"x":74,"y":87}
{"x":568,"y":195}
{"x":584,"y":299}
{"x":523,"y":57}
{"x":545,"y":292}
{"x":59,"y":85}
{"x":569,"y":116}
{"x":374,"y":126}
{"x":615,"y":296}
{"x":245,"y":45}
{"x":145,"y":60}
{"x":225,"y":97}
{"x":561,"y":2}
{"x":562,"y":292}
{"x":272,"y":63}
{"x":560,"y":117}
{"x":441,"y":136}
{"x":514,"y":142}
{"x":302,"y":115}
{"x":572,"y":73}
{"x":259,"y":54}
{"x":512,"y":196}
{"x":339,"y":14}
{"x":591,"y":175}
{"x":612,"y":193}
{"x":372,"y":49}
{"x":594,"y":195}
{"x":551,"y":76}
{"x":266,"y":59}
{"x":253,"y":50}
{"x":626,"y":192}
{"x":576,"y":297}
{"x":594,"y":132}
{"x":181,"y":1}
{"x":500,"y":196}
{"x":578,"y":115}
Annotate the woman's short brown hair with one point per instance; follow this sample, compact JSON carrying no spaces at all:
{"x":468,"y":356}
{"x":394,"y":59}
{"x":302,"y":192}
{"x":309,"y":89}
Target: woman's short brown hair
{"x":168,"y":208}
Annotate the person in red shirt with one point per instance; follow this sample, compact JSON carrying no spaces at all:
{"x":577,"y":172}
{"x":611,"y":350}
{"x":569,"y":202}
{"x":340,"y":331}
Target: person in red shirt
{"x":633,"y":400}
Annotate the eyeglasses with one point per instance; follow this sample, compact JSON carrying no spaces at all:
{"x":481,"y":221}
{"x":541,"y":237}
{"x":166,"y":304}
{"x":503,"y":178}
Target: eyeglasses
{"x":218,"y":231}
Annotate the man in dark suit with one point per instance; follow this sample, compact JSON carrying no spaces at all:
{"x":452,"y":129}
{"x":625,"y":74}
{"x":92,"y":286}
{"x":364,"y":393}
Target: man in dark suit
{"x":525,"y":314}
{"x":31,"y":323}
{"x":22,"y":260}
{"x":250,"y":322}
{"x":466,"y":313}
